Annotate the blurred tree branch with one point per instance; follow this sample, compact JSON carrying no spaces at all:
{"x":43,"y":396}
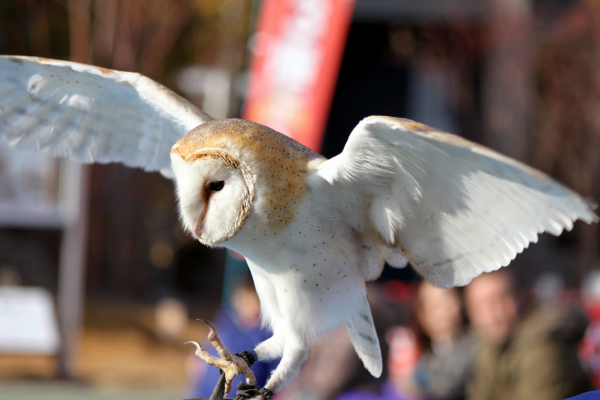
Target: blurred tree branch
{"x":39,"y":27}
{"x":565,"y":138}
{"x":508,"y":76}
{"x":79,"y":24}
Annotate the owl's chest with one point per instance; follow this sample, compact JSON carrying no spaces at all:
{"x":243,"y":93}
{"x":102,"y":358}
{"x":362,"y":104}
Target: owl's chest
{"x":317,"y":247}
{"x":311,"y":266}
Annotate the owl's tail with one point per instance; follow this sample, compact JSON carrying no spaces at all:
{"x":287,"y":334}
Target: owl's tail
{"x":364,"y":338}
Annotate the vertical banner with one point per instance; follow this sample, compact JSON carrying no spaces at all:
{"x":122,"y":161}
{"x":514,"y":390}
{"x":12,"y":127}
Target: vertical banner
{"x":296,"y":54}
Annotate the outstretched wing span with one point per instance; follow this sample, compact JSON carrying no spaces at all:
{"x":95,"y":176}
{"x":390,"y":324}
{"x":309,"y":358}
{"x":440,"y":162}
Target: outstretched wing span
{"x":91,"y":114}
{"x":455,"y":209}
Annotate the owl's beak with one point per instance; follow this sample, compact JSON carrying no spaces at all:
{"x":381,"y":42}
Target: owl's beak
{"x":200,"y":223}
{"x":198,"y":228}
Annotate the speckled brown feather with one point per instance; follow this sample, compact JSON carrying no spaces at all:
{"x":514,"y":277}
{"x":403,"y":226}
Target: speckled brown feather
{"x":279,"y":164}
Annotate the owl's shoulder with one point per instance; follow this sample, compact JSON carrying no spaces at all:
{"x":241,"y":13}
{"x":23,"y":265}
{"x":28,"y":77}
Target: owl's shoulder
{"x":282,"y":173}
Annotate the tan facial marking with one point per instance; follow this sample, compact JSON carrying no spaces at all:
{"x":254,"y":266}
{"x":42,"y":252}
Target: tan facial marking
{"x":278,"y":163}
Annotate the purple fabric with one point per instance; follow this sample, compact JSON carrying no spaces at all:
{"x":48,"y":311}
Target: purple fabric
{"x":387,"y":393}
{"x":595,"y":395}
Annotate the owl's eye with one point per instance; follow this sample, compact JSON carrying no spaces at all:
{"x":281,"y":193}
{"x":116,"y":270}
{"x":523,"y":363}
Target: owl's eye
{"x":216,"y":186}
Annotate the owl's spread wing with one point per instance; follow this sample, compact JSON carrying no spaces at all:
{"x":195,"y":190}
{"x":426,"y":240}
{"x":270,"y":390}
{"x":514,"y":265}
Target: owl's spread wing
{"x":91,"y":114}
{"x":454,"y":208}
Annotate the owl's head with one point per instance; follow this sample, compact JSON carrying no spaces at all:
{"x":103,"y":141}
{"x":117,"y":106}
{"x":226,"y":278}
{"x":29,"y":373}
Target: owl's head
{"x":215,"y":192}
{"x":227,"y":169}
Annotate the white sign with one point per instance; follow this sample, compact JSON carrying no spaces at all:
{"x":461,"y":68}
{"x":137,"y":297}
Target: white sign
{"x":27,"y":321}
{"x":29,"y":188}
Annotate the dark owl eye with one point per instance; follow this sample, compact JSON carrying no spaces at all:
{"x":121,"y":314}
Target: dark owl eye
{"x":216,"y":186}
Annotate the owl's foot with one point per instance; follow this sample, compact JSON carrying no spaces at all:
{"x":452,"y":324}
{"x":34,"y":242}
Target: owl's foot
{"x":253,"y":392}
{"x":230,"y":364}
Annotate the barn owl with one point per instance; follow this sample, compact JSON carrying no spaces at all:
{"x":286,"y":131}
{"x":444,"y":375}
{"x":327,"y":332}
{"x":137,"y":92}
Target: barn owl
{"x":313,"y":230}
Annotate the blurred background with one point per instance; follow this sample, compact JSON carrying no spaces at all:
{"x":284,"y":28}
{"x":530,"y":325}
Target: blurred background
{"x":100,"y":286}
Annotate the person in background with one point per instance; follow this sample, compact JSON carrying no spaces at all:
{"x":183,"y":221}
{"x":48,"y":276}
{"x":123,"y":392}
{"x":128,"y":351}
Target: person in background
{"x":589,"y":350}
{"x":238,"y":325}
{"x":523,"y":354}
{"x":402,"y":364}
{"x":447,"y":344}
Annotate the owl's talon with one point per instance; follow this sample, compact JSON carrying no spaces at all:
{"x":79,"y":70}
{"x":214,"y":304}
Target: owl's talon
{"x":215,"y":340}
{"x":230,"y":364}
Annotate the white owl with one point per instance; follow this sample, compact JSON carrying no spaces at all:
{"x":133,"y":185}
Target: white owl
{"x":313,"y":230}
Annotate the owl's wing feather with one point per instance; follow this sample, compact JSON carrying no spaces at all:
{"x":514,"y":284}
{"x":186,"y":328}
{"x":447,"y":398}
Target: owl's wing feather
{"x":455,"y":209}
{"x":91,"y":114}
{"x":362,"y":334}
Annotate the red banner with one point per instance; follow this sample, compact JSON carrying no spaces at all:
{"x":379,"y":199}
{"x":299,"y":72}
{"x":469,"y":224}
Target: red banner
{"x":296,"y":53}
